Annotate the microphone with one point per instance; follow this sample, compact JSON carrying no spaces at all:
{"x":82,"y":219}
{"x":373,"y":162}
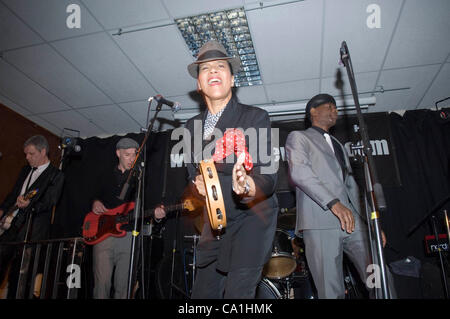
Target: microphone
{"x":344,"y":53}
{"x":174,"y":105}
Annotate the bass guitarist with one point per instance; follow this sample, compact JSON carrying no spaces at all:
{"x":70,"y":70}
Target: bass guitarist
{"x":114,"y":252}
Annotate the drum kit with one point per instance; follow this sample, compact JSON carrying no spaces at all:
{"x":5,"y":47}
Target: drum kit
{"x":286,"y":275}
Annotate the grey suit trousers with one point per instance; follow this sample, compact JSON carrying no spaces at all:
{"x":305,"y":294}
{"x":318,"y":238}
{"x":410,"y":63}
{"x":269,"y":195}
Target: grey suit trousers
{"x":324,"y":253}
{"x":112,"y":253}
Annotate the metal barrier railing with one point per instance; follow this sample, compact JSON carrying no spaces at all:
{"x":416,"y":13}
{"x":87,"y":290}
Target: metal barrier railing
{"x":41,"y":273}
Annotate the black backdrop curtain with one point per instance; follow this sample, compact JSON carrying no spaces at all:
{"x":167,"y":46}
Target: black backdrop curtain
{"x":422,"y":141}
{"x":419,"y":142}
{"x":83,"y":169}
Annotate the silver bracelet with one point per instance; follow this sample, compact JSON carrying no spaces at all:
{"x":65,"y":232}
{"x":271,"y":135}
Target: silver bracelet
{"x":246,"y":187}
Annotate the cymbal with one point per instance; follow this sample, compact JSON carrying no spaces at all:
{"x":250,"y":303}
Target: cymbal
{"x":287,"y":221}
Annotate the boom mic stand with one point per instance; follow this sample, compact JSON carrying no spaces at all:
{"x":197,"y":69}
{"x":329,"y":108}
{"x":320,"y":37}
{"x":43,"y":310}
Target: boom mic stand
{"x":138,"y":202}
{"x":376,"y":199}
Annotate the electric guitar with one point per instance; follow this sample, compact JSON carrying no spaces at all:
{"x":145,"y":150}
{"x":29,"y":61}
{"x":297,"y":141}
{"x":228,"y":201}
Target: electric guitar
{"x":98,"y":227}
{"x":8,"y":218}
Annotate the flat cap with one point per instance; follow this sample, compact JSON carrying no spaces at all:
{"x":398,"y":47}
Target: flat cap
{"x":126,"y":143}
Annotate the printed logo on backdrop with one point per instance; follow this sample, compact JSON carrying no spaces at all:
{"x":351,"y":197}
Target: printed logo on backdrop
{"x":381,"y":143}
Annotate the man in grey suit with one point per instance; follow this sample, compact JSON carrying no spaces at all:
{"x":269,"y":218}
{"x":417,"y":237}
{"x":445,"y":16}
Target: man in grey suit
{"x":328,"y":208}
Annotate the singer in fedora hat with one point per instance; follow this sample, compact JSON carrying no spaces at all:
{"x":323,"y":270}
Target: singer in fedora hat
{"x":230,"y":266}
{"x":211,"y":51}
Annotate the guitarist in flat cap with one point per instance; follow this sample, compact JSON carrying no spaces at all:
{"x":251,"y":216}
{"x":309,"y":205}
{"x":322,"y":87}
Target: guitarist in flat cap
{"x":113,"y":253}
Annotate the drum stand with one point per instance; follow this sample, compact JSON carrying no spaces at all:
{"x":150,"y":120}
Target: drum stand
{"x":350,"y":284}
{"x":287,"y":288}
{"x":194,"y":260}
{"x":174,"y":249}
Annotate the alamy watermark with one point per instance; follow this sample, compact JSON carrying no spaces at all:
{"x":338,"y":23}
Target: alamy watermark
{"x":74,"y":278}
{"x":374,"y":278}
{"x":263,"y":151}
{"x":373,"y":21}
{"x":73,"y":21}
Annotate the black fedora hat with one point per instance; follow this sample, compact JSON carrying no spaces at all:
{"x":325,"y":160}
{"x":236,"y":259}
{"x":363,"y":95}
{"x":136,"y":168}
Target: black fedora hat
{"x":210,"y":51}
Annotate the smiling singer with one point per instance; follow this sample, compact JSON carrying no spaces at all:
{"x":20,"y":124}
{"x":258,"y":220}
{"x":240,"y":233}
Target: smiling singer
{"x":230,"y":264}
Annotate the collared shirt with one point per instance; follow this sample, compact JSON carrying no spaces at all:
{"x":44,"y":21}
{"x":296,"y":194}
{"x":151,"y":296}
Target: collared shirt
{"x":39,"y":170}
{"x":111,"y":185}
{"x":339,"y":156}
{"x":336,"y":148}
{"x":210,"y":123}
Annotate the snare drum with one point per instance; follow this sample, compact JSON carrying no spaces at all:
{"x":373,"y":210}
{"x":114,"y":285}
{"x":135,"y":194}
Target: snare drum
{"x":267,"y":289}
{"x":283,"y":262}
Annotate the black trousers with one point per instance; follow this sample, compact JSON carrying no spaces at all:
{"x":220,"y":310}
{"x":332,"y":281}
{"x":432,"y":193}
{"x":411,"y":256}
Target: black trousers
{"x":237,"y":284}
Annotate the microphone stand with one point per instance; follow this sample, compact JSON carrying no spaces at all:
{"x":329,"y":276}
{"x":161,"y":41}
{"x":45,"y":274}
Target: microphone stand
{"x":376,"y":200}
{"x":137,"y":209}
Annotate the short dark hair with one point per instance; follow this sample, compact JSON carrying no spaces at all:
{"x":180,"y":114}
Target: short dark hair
{"x":38,"y":141}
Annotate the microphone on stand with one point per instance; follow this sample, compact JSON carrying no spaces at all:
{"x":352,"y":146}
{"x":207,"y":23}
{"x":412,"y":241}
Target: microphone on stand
{"x":344,"y":52}
{"x":70,"y":143}
{"x":75,"y":148}
{"x":174,"y":105}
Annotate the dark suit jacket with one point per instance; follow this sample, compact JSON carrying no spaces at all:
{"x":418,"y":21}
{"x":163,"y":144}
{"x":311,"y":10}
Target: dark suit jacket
{"x":247,"y":239}
{"x":49,"y":186}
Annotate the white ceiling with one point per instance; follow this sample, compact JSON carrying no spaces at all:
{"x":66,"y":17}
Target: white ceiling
{"x":92,"y":80}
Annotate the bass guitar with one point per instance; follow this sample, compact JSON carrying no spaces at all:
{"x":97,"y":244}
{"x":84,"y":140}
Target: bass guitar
{"x":98,"y":227}
{"x":8,"y":218}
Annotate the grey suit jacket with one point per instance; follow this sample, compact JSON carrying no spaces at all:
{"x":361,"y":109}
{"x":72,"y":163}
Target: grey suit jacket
{"x":318,"y":179}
